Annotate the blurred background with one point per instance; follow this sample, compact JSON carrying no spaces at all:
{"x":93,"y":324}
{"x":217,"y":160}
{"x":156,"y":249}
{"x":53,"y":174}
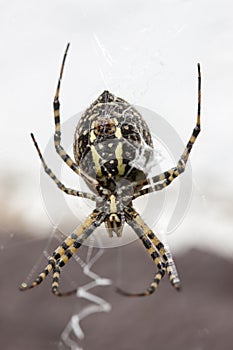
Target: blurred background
{"x":146,"y":53}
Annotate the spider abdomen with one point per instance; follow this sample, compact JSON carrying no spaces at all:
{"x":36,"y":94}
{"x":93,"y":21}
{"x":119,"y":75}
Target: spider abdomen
{"x":112,"y":140}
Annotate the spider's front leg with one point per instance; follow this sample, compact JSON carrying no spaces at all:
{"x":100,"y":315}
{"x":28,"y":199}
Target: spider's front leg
{"x":158,"y":252}
{"x":57,"y":136}
{"x":162,"y":180}
{"x":65,"y":251}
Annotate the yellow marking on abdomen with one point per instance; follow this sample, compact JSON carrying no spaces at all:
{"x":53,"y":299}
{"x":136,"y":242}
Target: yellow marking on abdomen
{"x":92,"y":136}
{"x":96,"y":158}
{"x":113,"y":208}
{"x":118,"y":133}
{"x":119,"y":153}
{"x":119,"y":157}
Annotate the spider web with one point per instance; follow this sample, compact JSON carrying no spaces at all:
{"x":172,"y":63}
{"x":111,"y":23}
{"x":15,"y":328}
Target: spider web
{"x":73,"y":333}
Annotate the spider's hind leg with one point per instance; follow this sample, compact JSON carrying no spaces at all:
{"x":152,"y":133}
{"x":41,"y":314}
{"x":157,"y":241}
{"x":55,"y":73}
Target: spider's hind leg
{"x":84,"y":231}
{"x":65,"y":251}
{"x":167,"y":257}
{"x":164,"y":251}
{"x":52,"y":263}
{"x":41,"y":277}
{"x":156,"y":258}
{"x":160,"y":254}
{"x":153,"y":286}
{"x":172,"y":271}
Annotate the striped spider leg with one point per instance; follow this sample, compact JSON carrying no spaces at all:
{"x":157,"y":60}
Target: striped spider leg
{"x":57,"y":135}
{"x":57,"y":181}
{"x":162,"y":180}
{"x":65,"y":251}
{"x":160,"y":255}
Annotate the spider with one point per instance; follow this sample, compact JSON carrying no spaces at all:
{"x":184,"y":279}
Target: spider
{"x":110,"y":135}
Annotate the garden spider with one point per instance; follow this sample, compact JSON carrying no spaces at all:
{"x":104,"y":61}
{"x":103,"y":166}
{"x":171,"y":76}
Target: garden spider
{"x":110,"y":135}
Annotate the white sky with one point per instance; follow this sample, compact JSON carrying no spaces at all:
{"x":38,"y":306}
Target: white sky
{"x":145,"y":52}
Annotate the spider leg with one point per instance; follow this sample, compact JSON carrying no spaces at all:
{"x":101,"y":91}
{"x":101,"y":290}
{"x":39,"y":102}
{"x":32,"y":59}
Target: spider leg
{"x":57,"y":181}
{"x":65,"y":251}
{"x":166,"y":178}
{"x":172,"y":271}
{"x":80,"y":237}
{"x":163,"y":260}
{"x":51,"y":262}
{"x":57,"y":136}
{"x":156,"y":258}
{"x":163,"y":251}
{"x":157,"y":186}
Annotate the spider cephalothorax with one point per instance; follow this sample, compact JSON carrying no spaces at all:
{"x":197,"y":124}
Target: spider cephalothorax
{"x":112,"y":150}
{"x":115,"y":217}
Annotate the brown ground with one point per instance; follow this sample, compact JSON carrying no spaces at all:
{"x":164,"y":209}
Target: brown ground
{"x":200,"y":317}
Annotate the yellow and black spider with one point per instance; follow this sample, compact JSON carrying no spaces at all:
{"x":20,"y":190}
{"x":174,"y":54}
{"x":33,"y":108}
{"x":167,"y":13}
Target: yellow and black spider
{"x":110,"y":135}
